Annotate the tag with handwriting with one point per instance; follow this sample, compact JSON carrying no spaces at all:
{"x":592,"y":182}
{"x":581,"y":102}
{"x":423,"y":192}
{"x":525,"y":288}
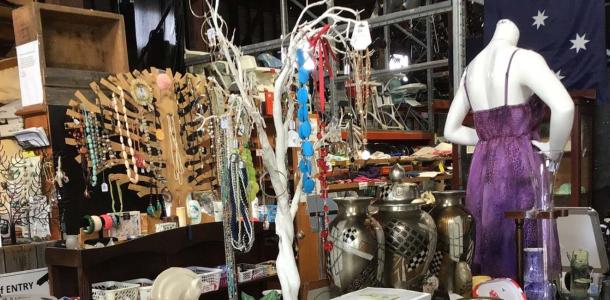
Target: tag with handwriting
{"x":104,"y":187}
{"x":361,"y":37}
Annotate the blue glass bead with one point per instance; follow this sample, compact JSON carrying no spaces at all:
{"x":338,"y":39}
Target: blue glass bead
{"x":303,"y":114}
{"x":307,"y":148}
{"x":302,"y":96}
{"x":303,"y":75}
{"x":304,"y":130}
{"x":308,"y":184}
{"x":305,"y":166}
{"x":300,"y":57}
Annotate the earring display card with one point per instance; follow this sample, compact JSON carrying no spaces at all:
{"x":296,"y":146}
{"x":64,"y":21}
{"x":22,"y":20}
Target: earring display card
{"x":129,"y":227}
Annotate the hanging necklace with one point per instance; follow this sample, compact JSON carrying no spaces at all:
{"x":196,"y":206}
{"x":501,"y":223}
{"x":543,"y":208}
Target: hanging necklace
{"x":123,"y":151}
{"x":91,"y":146}
{"x":241,"y":225}
{"x":175,"y":151}
{"x":120,"y":197}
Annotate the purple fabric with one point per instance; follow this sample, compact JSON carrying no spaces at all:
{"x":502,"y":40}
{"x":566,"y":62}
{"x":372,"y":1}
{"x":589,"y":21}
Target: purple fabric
{"x":503,"y":177}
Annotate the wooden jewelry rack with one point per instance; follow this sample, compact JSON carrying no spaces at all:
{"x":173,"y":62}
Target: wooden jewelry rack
{"x":169,"y":136}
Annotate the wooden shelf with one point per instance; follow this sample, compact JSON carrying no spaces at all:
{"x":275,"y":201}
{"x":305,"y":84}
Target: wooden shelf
{"x":387,"y":161}
{"x":395,"y":135}
{"x":364,"y":185}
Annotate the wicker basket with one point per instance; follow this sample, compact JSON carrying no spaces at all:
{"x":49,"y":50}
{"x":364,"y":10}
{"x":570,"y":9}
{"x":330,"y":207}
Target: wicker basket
{"x":114,"y":290}
{"x":209,"y":276}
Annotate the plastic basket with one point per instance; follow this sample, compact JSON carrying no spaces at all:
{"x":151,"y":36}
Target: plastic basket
{"x":209,"y":276}
{"x":114,"y":290}
{"x":244,"y":276}
{"x":269,"y":267}
{"x":145,"y":287}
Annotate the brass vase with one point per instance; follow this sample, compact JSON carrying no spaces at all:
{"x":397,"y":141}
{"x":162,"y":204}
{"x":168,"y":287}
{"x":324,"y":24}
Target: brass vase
{"x":356,"y":258}
{"x":455,"y":227}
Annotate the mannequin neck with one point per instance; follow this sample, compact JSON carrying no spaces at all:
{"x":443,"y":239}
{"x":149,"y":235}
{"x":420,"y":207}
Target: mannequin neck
{"x":506,"y":32}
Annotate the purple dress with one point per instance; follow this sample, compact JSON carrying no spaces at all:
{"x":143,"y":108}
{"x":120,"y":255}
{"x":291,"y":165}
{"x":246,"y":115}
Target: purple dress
{"x":500,"y":180}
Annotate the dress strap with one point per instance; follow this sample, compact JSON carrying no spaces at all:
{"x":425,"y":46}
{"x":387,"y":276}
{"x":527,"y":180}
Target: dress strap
{"x":466,"y":84}
{"x":506,"y":78}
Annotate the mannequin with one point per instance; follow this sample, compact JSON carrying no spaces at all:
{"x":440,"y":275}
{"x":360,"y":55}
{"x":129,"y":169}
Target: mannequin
{"x":498,"y":86}
{"x":529,"y":75}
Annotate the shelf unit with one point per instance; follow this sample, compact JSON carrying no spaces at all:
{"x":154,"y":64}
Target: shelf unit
{"x":395,"y":135}
{"x":364,"y":185}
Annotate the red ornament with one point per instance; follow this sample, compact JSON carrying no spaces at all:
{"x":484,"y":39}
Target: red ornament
{"x":83,"y":150}
{"x":324,"y":233}
{"x":326,"y":208}
{"x":328,"y":246}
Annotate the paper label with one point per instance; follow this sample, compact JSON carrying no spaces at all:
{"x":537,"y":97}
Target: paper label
{"x":346,"y":69}
{"x":259,"y":152}
{"x":30,"y":76}
{"x":361,"y":37}
{"x":293,"y":139}
{"x":380,"y":183}
{"x":224,"y":123}
{"x":363,"y":185}
{"x":104,"y":187}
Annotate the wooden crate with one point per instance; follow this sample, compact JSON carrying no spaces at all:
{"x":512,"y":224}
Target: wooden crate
{"x":73,"y":38}
{"x":9,"y":80}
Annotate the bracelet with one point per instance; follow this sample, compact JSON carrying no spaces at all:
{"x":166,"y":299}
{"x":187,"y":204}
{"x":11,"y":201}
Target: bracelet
{"x":97,"y":222}
{"x":107,"y":220}
{"x":90,"y":226}
{"x":116,"y":221}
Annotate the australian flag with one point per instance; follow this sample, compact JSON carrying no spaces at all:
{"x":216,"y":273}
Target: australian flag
{"x":569,"y":34}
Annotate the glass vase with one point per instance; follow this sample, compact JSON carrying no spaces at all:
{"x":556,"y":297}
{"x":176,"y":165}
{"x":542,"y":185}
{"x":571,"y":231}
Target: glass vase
{"x":545,"y":165}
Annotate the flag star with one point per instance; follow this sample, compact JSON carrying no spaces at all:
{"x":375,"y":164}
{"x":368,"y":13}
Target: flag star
{"x":559,"y":76}
{"x":579,"y":42}
{"x":539,"y":19}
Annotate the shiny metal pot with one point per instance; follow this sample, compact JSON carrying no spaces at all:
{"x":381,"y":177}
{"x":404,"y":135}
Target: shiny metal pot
{"x":455,"y":227}
{"x":410,"y":243}
{"x":355,"y":260}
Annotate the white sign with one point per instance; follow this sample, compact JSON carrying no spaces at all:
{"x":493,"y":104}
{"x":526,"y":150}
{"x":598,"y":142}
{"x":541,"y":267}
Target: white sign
{"x":25,"y":283}
{"x":30,"y":77}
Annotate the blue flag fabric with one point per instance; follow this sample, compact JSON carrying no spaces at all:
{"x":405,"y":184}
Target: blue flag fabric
{"x":569,"y":34}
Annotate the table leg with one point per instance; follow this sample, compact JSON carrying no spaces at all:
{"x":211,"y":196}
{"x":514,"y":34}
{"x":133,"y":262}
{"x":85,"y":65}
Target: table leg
{"x":519,"y":252}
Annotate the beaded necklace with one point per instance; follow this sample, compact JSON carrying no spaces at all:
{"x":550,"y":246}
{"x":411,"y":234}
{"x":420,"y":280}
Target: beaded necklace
{"x":123,"y":151}
{"x":175,"y":154}
{"x":90,"y":145}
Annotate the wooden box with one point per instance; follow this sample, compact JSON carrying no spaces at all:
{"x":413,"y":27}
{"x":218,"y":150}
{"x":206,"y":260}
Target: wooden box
{"x":73,"y":38}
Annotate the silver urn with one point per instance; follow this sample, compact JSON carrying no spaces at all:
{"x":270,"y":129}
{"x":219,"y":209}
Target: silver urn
{"x":356,"y":258}
{"x":455,"y":227}
{"x":410,"y":235}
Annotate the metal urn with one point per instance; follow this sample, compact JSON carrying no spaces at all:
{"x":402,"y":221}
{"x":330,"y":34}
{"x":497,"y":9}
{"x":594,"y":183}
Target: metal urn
{"x":356,"y":258}
{"x":455,"y":227}
{"x":410,"y":235}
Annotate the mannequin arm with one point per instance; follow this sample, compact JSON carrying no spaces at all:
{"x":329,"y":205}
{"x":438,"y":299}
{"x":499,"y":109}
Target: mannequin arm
{"x":543,"y":82}
{"x":455,"y":132}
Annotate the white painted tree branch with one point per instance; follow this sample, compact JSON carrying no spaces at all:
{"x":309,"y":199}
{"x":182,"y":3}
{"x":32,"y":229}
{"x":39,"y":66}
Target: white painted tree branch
{"x":275,"y":161}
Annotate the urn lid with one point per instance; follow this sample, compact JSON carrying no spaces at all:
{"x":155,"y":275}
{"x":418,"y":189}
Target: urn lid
{"x":397,"y":173}
{"x":403,"y":192}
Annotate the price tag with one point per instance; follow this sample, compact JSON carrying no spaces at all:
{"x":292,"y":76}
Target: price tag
{"x":104,"y":187}
{"x":224,"y":123}
{"x":380,"y":183}
{"x":361,"y":37}
{"x":346,"y":69}
{"x":259,"y":152}
{"x":363,"y":185}
{"x":211,"y":33}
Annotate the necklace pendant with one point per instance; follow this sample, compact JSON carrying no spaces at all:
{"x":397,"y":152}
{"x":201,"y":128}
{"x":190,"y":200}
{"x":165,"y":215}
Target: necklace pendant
{"x":159,"y":134}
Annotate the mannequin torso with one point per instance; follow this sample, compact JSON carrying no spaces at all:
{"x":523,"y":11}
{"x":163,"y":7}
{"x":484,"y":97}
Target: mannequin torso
{"x":486,"y":82}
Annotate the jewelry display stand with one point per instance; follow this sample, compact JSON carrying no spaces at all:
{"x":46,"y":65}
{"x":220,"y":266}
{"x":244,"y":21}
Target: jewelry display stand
{"x":150,"y":130}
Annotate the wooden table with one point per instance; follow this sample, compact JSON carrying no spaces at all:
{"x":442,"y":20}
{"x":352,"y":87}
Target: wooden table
{"x":520,"y":217}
